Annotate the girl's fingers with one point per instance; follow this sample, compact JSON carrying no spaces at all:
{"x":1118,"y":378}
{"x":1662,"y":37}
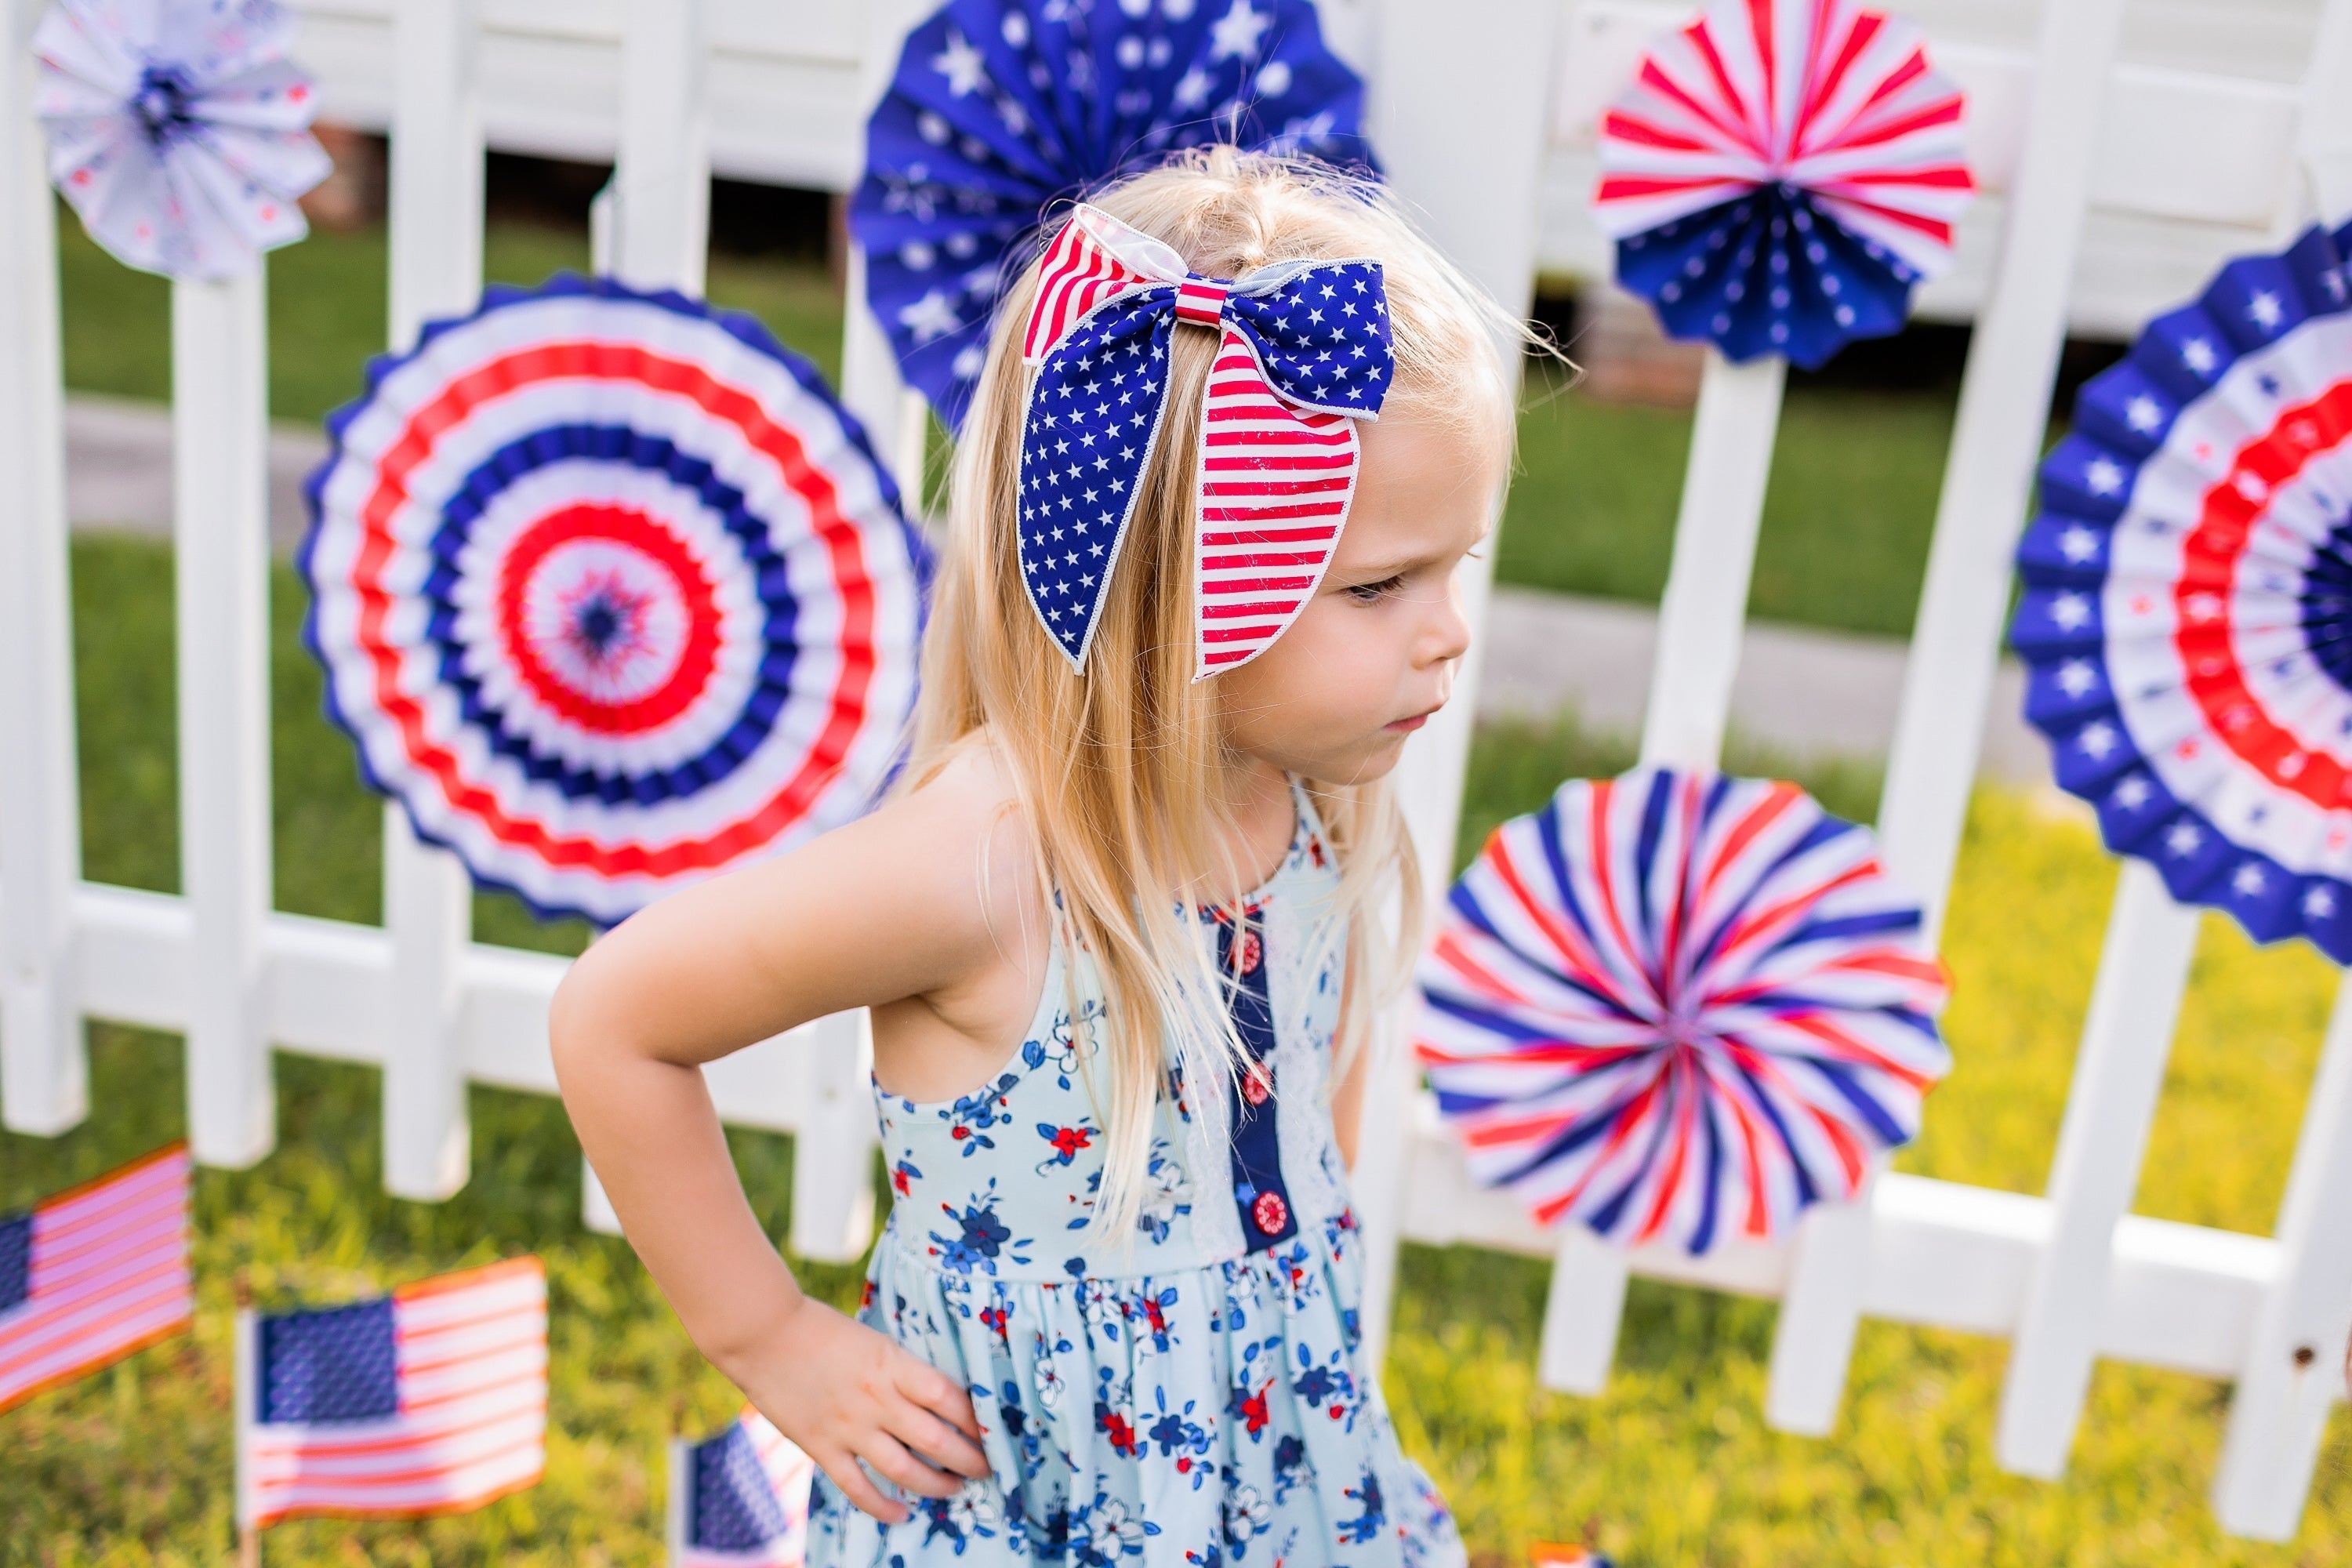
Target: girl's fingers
{"x":932,"y":1389}
{"x":891,"y":1462}
{"x":938,"y":1442}
{"x":862,"y":1493}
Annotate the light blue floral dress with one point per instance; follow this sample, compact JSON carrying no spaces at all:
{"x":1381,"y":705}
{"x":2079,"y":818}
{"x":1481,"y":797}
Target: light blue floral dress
{"x":1199,"y":1397}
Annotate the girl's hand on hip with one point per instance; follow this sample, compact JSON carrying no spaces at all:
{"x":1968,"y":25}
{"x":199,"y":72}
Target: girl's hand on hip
{"x":846,"y":1393}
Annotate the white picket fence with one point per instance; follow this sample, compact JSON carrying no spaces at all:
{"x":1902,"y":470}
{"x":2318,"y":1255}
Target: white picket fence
{"x":1471,"y":104}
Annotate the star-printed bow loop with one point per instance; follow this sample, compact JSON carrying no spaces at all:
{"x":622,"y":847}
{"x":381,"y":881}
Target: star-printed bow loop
{"x":1303,"y":353}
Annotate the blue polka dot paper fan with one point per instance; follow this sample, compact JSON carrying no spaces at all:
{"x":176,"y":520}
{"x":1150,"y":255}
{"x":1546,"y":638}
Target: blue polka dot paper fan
{"x":612,"y":594}
{"x":1001,"y":108}
{"x":179,"y":132}
{"x":1781,"y":174}
{"x":2187,"y":618}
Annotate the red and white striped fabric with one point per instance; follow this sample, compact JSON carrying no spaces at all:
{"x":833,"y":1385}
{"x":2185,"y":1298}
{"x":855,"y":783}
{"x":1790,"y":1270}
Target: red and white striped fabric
{"x":1094,"y":258}
{"x":94,"y":1274}
{"x":460,"y":1420}
{"x":1275,"y":481}
{"x":1303,"y":354}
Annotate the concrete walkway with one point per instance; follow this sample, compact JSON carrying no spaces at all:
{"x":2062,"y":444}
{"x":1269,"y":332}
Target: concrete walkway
{"x":119,"y":470}
{"x":1805,"y":692}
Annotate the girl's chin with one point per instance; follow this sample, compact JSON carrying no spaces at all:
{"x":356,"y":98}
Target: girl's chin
{"x":1377,"y":760}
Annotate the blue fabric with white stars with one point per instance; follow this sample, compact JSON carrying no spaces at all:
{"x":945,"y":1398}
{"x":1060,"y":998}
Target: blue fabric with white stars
{"x":1321,"y":332}
{"x":15,"y":1259}
{"x":1094,"y":417}
{"x":328,"y":1366}
{"x":1770,"y":272}
{"x":734,"y":1506}
{"x":1002,"y":109}
{"x":2123,"y":419}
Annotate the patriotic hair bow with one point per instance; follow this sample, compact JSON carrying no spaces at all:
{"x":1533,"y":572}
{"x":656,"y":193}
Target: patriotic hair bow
{"x":1303,"y":353}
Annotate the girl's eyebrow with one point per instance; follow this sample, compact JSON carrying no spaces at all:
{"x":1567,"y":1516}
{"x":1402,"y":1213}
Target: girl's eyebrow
{"x":1391,"y":566}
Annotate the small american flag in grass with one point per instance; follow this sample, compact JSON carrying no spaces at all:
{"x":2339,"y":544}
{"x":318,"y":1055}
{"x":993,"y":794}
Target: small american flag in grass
{"x":94,"y":1274}
{"x":740,"y":1499}
{"x":430,"y":1400}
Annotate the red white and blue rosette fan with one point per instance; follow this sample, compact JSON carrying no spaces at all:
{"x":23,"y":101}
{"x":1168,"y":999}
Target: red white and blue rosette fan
{"x":1000,"y":108}
{"x":1678,"y":1007}
{"x":2187,"y":619}
{"x":611,"y":593}
{"x":1781,"y":174}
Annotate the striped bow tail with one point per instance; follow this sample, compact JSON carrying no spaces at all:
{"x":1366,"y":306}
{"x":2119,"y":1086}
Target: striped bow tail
{"x":1303,"y":353}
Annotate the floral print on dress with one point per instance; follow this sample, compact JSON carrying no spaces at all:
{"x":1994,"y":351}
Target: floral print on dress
{"x":1165,"y":1398}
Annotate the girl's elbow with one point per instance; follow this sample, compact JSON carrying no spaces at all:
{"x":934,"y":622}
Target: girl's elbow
{"x":571,"y":1012}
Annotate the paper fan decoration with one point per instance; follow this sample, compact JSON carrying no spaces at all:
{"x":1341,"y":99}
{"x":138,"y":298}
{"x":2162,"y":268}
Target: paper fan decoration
{"x":1001,"y":108}
{"x":1779,"y":175}
{"x":1679,"y":1007}
{"x":2188,"y":615}
{"x":611,"y":593}
{"x":178,"y":129}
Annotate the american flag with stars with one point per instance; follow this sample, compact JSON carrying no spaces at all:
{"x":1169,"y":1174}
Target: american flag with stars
{"x":1303,"y":353}
{"x":430,"y":1400}
{"x":94,"y":1274}
{"x":740,"y":1499}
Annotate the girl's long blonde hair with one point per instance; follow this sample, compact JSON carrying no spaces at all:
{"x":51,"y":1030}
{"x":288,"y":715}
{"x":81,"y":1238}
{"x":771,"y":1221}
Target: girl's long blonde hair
{"x":1120,"y":771}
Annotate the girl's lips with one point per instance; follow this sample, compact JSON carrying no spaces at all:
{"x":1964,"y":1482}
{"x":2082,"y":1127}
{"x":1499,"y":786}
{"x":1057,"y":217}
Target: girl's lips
{"x":1407,"y":726}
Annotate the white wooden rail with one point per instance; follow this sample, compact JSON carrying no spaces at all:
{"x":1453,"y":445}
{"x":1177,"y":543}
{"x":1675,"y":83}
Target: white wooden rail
{"x":2075,"y":145}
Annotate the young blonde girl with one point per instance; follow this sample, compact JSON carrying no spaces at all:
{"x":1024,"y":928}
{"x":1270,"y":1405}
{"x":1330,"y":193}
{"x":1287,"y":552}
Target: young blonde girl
{"x":1120,"y":926}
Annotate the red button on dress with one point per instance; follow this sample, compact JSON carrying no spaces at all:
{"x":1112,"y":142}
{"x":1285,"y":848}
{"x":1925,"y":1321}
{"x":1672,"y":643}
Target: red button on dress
{"x":1270,"y":1212}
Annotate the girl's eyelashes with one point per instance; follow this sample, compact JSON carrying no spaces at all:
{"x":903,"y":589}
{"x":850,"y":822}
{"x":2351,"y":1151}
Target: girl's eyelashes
{"x":1372,"y":593}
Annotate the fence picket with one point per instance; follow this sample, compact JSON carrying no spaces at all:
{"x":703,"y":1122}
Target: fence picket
{"x":1699,"y":623}
{"x":2294,"y":1364}
{"x":436,"y":270}
{"x":1706,"y":603}
{"x":1471,"y":180}
{"x":1956,"y":646}
{"x":661,"y":179}
{"x":832,"y":1147}
{"x":2293,"y":1371}
{"x":2126,"y":1038}
{"x":220,"y":542}
{"x":44,"y":1073}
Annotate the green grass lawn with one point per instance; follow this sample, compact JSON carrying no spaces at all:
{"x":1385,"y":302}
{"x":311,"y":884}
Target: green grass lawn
{"x":1846,"y":521}
{"x":1847,"y":515}
{"x":1674,"y":1466}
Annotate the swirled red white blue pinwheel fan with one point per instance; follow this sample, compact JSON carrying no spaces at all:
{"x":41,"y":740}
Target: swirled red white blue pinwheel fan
{"x":1001,"y":108}
{"x":2187,"y":615}
{"x":1780,"y":173}
{"x":611,"y":593}
{"x":1679,"y":1007}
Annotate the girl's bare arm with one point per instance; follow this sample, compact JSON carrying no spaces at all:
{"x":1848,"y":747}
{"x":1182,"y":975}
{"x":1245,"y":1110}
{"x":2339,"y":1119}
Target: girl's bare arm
{"x":887,"y":907}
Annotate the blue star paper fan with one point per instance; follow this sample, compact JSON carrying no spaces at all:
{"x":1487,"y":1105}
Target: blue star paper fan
{"x":2187,"y":620}
{"x":1001,"y":108}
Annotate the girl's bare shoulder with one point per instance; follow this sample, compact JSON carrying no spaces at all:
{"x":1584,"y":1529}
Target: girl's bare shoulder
{"x":961,"y":837}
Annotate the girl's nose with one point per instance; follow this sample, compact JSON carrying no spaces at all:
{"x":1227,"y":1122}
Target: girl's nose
{"x":1447,"y":635}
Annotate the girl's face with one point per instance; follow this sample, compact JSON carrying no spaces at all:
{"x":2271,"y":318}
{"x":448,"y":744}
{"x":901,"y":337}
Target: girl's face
{"x":1373,"y":654}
